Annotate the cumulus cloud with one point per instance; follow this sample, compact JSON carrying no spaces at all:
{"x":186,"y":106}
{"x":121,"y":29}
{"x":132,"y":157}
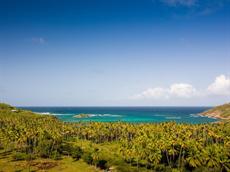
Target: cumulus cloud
{"x":180,"y":90}
{"x":155,"y":93}
{"x":183,"y":90}
{"x":38,"y":40}
{"x":180,"y":2}
{"x":221,"y":86}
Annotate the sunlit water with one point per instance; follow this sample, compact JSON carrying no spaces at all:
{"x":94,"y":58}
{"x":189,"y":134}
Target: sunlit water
{"x":127,"y":114}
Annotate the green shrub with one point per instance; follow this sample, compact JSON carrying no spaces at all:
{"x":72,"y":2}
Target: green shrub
{"x":76,"y":153}
{"x":66,"y":149}
{"x":19,"y":156}
{"x":102,"y":164}
{"x":55,"y":155}
{"x":44,"y":148}
{"x":87,"y":157}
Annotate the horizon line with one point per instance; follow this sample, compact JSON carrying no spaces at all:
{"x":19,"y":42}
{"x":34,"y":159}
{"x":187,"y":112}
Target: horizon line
{"x":116,"y":106}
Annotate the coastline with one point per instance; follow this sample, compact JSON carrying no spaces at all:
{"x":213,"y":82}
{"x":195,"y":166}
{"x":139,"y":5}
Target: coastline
{"x":219,"y":112}
{"x":215,"y":116}
{"x":127,"y":114}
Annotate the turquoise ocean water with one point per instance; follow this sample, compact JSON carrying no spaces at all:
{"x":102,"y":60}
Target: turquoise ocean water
{"x":127,"y":114}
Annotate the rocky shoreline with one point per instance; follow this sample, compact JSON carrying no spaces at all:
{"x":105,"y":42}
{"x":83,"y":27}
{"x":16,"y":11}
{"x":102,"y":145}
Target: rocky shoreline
{"x":219,"y":112}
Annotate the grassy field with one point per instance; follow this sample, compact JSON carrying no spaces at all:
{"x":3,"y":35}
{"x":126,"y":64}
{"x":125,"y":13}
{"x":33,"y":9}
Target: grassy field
{"x":66,"y":164}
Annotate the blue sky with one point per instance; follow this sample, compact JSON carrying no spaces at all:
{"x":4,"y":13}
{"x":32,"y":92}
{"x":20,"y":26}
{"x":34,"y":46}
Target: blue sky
{"x":115,"y":53}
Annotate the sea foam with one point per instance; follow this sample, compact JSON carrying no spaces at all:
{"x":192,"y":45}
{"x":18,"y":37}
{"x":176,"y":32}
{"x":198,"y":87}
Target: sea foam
{"x":103,"y":115}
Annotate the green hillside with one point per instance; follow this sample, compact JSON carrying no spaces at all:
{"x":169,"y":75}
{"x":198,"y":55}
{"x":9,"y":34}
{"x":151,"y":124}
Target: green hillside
{"x":33,"y":142}
{"x":222,"y":112}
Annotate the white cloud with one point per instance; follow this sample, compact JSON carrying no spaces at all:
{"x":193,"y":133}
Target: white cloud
{"x":180,"y":2}
{"x":182,"y":90}
{"x":38,"y":40}
{"x":221,"y":86}
{"x":154,"y":93}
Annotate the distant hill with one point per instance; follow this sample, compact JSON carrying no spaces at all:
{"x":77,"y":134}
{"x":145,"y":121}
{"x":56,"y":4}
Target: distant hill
{"x":4,"y":106}
{"x":221,"y":112}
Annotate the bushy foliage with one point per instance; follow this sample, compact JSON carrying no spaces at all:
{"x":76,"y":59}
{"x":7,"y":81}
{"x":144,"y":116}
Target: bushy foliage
{"x":19,"y":156}
{"x":87,"y":157}
{"x":102,"y":164}
{"x":76,"y":153}
{"x":161,"y":147}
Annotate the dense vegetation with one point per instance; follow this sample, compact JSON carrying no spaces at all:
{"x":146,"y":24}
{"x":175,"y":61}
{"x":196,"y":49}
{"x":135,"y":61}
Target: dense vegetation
{"x":222,"y":111}
{"x":118,"y":146}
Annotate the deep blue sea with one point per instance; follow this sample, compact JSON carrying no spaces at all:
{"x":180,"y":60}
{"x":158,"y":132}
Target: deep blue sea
{"x":127,"y":114}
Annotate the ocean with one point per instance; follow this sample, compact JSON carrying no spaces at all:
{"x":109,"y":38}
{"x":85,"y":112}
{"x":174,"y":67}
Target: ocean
{"x":127,"y":114}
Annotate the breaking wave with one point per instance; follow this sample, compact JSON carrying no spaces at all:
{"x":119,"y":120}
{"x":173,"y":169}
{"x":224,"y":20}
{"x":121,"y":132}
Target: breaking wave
{"x":158,"y":115}
{"x":172,"y":117}
{"x":44,"y":113}
{"x":195,"y":115}
{"x":49,"y":113}
{"x":103,"y":115}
